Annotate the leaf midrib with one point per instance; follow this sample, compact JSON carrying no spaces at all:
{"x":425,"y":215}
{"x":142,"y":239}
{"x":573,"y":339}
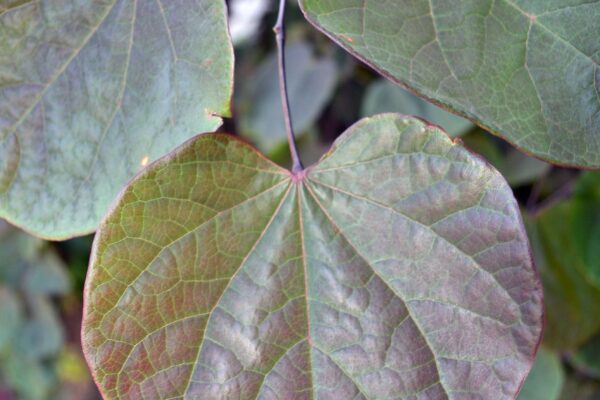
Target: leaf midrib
{"x":284,"y":197}
{"x":376,"y":273}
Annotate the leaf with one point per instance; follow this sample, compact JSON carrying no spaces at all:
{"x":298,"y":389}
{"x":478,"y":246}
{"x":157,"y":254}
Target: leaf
{"x":31,"y":380}
{"x":586,"y":223}
{"x":517,"y":168}
{"x":11,"y":315}
{"x":383,"y":96}
{"x":311,"y":82}
{"x":587,"y":358}
{"x":546,"y":378}
{"x":570,"y":296}
{"x":48,"y":276}
{"x":520,"y":169}
{"x":42,"y":335}
{"x":524,"y":70}
{"x":310,"y":147}
{"x":31,"y":334}
{"x":566,"y":249}
{"x":479,"y":142}
{"x":579,"y":388}
{"x":91,"y":92}
{"x":397,"y":265}
{"x":18,"y":251}
{"x":29,"y":265}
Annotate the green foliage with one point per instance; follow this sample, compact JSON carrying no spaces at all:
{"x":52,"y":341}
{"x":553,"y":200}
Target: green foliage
{"x":383,"y":96}
{"x":587,"y":357}
{"x":395,"y":267}
{"x":517,"y":168}
{"x":546,"y":379}
{"x":90,"y":92}
{"x":385,"y":270}
{"x":586,"y":224}
{"x":31,"y":335}
{"x":11,"y":314}
{"x":524,"y":70}
{"x":562,"y":246}
{"x":571,"y":293}
{"x":579,"y":388}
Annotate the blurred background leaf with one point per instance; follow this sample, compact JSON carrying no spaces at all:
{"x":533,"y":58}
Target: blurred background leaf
{"x":35,"y":333}
{"x":572,"y":295}
{"x":587,"y":357}
{"x":383,"y":96}
{"x":310,"y":81}
{"x":11,"y":315}
{"x":561,"y":207}
{"x":546,"y":378}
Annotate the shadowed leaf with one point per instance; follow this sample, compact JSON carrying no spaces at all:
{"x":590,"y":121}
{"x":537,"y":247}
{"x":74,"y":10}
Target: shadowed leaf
{"x":383,"y":96}
{"x":517,"y":168}
{"x":47,"y":276}
{"x":565,"y":242}
{"x":396,"y":267}
{"x":11,"y":315}
{"x":572,"y":291}
{"x":585,"y":223}
{"x":92,"y":91}
{"x":520,"y":169}
{"x":524,"y":70}
{"x":41,"y":336}
{"x":587,"y":357}
{"x":31,"y":334}
{"x":579,"y":388}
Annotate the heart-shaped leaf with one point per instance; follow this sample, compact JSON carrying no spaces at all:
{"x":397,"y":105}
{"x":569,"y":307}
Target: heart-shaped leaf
{"x":92,"y":91}
{"x":396,"y":267}
{"x":524,"y":70}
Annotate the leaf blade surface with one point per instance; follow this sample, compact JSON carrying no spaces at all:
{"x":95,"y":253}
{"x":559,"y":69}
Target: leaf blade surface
{"x":322,"y":285}
{"x":93,"y":92}
{"x":520,"y":69}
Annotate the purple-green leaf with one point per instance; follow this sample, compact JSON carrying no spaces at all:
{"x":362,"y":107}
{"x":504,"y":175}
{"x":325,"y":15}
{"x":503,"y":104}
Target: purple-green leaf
{"x":396,"y":267}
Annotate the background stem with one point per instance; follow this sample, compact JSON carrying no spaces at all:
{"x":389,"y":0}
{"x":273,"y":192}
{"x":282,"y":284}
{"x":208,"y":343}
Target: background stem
{"x":279,"y":30}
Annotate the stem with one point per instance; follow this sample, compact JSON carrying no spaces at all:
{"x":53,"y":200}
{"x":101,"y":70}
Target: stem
{"x":561,"y":194}
{"x":279,"y":30}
